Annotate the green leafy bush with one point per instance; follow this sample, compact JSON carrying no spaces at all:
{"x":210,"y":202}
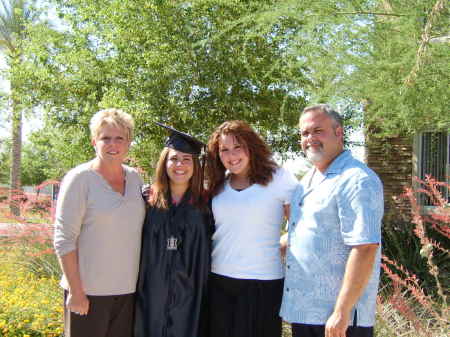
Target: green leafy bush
{"x":30,"y":304}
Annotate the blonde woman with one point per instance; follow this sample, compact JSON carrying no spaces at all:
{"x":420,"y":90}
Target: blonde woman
{"x":98,"y":226}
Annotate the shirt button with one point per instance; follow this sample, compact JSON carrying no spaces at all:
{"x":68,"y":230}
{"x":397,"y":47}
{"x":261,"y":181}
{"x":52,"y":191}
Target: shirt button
{"x":288,"y":266}
{"x":287,"y":289}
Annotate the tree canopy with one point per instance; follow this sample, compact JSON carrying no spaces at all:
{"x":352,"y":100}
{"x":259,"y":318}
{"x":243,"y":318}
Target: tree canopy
{"x":403,"y":73}
{"x":196,"y":64}
{"x":389,"y":57}
{"x":192,"y":65}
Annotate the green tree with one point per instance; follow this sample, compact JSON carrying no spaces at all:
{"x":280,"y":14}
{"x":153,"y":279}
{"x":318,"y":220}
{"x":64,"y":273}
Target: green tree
{"x":402,"y":74}
{"x":14,"y":15}
{"x":5,"y":156}
{"x":387,"y":58}
{"x":192,"y":65}
{"x":195,"y":64}
{"x":34,"y":163}
{"x":53,"y":151}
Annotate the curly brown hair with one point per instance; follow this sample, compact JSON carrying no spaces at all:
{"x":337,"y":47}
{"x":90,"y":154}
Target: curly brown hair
{"x":160,"y":188}
{"x":262,"y":165}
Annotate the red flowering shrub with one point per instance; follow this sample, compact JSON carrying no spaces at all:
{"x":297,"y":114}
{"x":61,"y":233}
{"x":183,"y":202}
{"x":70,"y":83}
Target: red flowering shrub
{"x":423,"y":312}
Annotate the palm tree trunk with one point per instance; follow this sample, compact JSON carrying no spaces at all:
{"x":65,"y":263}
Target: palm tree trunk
{"x":14,"y":15}
{"x":16,"y":157}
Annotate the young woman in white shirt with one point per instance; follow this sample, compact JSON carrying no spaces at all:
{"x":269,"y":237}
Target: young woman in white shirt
{"x":250,"y":194}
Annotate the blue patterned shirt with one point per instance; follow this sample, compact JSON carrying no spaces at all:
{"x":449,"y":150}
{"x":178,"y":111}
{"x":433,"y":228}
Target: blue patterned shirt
{"x":341,"y":209}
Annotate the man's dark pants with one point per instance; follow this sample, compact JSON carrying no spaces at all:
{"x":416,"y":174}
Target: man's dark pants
{"x":308,"y":330}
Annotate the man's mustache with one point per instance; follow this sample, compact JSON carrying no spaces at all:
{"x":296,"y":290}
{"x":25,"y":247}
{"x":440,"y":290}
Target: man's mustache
{"x":319,"y":144}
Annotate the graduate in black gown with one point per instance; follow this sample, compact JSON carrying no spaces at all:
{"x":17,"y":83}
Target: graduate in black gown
{"x":175,"y":259}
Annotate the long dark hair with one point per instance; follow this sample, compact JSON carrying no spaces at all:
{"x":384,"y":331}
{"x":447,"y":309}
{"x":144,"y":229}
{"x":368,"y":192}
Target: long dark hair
{"x":161,"y":183}
{"x":262,"y":165}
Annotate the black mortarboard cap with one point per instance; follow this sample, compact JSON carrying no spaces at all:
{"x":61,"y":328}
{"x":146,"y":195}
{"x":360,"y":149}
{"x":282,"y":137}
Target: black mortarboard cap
{"x":181,"y":141}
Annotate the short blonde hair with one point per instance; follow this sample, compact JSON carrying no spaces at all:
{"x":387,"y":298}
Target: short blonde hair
{"x":114,"y":117}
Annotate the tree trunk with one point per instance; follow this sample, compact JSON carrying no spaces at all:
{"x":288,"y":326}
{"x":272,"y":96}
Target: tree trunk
{"x":16,"y":193}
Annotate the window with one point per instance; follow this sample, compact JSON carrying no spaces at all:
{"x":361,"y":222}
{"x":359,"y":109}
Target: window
{"x":432,"y":151}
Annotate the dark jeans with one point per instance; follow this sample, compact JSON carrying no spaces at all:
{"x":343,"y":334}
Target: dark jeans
{"x":308,"y":330}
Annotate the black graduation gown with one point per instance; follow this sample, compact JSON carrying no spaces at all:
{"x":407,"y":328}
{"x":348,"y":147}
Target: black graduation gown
{"x":175,"y":264}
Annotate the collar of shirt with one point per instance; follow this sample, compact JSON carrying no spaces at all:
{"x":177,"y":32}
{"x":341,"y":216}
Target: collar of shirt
{"x":338,"y":163}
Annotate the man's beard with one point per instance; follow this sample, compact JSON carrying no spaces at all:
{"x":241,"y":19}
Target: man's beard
{"x":315,"y":155}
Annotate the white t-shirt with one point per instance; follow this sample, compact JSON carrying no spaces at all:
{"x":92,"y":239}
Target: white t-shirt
{"x":246,"y":241}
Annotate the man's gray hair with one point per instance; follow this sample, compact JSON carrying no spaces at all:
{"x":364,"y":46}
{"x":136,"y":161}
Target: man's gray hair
{"x":328,"y":110}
